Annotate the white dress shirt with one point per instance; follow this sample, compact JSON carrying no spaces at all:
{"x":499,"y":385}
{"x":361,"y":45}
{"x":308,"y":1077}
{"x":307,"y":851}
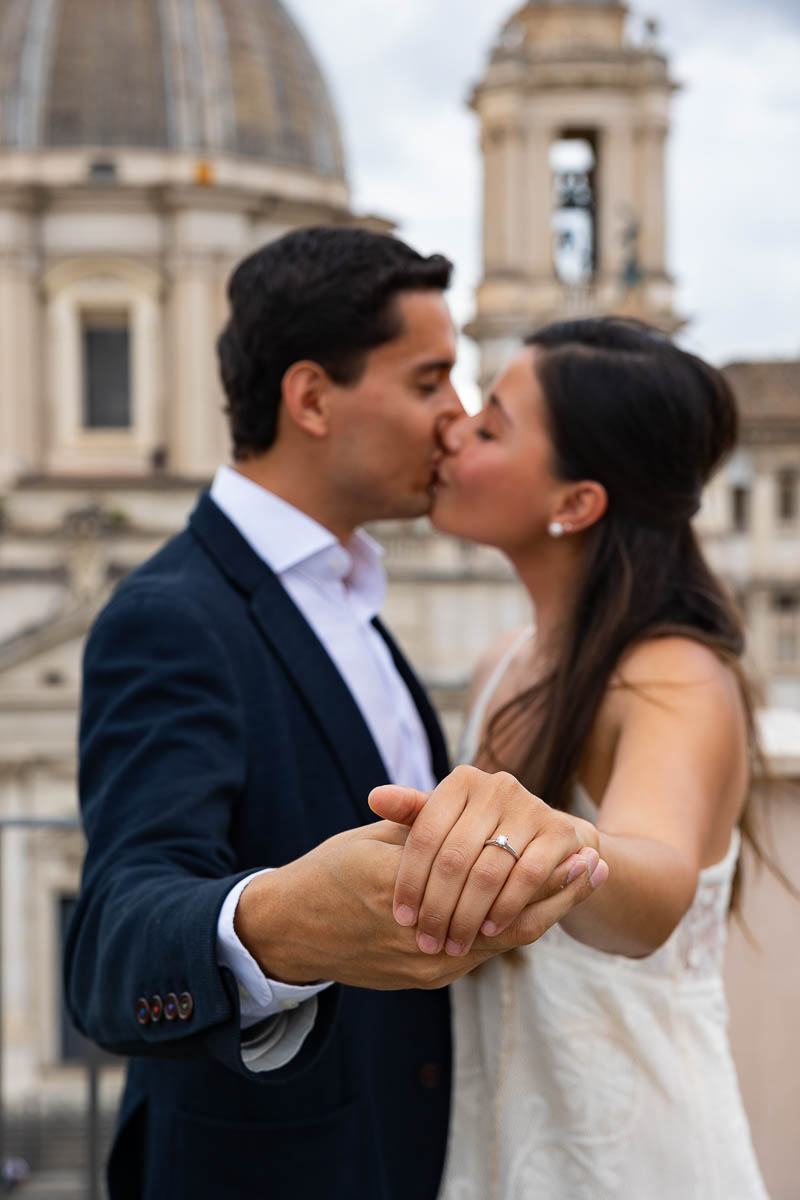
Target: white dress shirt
{"x":338,"y":590}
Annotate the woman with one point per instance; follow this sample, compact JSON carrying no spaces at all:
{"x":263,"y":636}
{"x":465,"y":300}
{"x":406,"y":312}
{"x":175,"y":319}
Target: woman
{"x":594,"y":1064}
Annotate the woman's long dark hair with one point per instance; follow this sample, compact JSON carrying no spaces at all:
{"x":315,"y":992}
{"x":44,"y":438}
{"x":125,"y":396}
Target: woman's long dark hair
{"x":651,"y":422}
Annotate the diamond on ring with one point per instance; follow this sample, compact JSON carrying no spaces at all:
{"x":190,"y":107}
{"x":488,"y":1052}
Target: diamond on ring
{"x":502,"y":841}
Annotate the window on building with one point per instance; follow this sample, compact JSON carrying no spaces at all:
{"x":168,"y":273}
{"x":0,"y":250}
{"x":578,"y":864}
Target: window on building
{"x":740,"y":508}
{"x":106,"y":370}
{"x":787,"y":497}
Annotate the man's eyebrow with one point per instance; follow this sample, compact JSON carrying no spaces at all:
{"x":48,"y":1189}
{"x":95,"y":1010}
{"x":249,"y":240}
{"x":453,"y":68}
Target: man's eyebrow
{"x":444,"y":364}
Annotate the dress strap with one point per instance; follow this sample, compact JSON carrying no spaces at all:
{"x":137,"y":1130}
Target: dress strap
{"x":468,"y":745}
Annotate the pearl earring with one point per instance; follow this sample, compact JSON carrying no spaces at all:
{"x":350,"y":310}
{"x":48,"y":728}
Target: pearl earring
{"x":555,"y":529}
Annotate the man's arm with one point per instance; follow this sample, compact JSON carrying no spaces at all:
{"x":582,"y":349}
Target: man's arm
{"x":163,"y":769}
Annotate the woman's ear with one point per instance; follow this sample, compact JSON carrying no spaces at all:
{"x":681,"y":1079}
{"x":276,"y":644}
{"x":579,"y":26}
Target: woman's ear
{"x":305,"y":394}
{"x":581,"y":506}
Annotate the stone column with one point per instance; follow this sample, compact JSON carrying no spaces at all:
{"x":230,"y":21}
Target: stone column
{"x":205,"y":243}
{"x":651,"y":145}
{"x":616,"y":198}
{"x":19,"y":423}
{"x":514,"y":208}
{"x":492,"y":150}
{"x":538,"y":210}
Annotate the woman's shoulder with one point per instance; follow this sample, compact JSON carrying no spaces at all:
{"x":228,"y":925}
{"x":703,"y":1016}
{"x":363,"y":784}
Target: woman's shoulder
{"x":676,"y":672}
{"x":673,"y":659}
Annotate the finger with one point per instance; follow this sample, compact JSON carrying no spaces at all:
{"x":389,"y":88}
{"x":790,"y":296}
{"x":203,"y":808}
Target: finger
{"x":425,"y":841}
{"x":396,"y":803}
{"x":512,"y":900}
{"x":457,"y":901}
{"x":538,"y":917}
{"x":543,"y":852}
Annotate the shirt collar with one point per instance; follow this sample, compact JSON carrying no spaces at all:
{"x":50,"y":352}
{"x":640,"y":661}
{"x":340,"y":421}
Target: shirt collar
{"x":287,"y":539}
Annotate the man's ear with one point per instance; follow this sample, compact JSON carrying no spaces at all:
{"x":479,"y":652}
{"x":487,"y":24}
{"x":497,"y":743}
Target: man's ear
{"x":305,"y":392}
{"x":581,"y":506}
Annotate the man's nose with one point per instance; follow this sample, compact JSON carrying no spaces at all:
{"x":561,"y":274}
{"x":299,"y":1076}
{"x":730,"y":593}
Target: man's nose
{"x":452,"y":435}
{"x":452,"y":411}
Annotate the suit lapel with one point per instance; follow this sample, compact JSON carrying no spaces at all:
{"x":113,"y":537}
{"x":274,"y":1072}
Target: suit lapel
{"x":305,"y":660}
{"x":439,"y":755}
{"x":330,"y":701}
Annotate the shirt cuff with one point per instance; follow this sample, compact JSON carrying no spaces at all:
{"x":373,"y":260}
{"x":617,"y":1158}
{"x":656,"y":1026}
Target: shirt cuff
{"x":281,"y":1039}
{"x":259,"y":996}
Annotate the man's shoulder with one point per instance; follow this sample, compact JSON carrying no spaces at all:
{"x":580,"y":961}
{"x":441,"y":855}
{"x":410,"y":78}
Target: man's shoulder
{"x":181,"y":576}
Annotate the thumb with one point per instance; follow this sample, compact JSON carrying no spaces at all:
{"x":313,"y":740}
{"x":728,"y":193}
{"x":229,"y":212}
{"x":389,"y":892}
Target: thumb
{"x":395,"y":803}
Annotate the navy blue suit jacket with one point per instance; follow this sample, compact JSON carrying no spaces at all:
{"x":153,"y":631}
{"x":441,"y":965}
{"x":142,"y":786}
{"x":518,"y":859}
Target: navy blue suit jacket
{"x":217,"y":737}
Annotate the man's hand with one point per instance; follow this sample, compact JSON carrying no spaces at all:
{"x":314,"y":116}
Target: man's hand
{"x":451,"y":885}
{"x":328,"y":915}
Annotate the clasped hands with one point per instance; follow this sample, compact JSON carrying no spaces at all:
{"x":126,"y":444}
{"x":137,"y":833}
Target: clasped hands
{"x":453,"y":886}
{"x":417,"y":900}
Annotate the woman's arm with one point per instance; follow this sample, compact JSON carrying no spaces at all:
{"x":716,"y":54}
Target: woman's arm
{"x":676,"y":786}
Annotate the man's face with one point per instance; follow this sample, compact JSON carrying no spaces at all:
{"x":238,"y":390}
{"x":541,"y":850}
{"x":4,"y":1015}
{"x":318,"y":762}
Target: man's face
{"x":385,"y":428}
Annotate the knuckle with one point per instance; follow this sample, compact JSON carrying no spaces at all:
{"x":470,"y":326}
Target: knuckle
{"x":453,"y":861}
{"x":433,"y":923}
{"x":424,"y":838}
{"x":530,"y":873}
{"x":488,"y":875}
{"x":506,"y":780}
{"x":407,"y":892}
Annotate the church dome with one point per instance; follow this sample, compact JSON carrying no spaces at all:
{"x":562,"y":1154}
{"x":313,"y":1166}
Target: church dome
{"x":212,"y":76}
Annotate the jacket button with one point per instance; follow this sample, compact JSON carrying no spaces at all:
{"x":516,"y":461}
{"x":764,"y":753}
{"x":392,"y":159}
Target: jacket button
{"x":156,"y":1008}
{"x":430,"y":1075}
{"x":185,"y":1006}
{"x":143,"y":1011}
{"x":171,"y":1006}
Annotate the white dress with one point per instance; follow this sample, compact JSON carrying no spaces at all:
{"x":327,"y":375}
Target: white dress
{"x":581,"y":1075}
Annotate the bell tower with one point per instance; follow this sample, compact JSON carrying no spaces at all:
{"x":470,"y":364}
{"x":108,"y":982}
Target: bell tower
{"x":574,"y":119}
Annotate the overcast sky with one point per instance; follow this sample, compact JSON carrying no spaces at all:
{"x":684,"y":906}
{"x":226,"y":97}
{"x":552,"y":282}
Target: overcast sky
{"x":400,"y":74}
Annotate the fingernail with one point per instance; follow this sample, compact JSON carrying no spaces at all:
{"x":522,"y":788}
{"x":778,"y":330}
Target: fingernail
{"x":577,"y":869}
{"x":489,"y":928}
{"x":590,"y":857}
{"x":404,"y":915}
{"x":599,"y":875}
{"x":454,"y":948}
{"x":428,"y":944}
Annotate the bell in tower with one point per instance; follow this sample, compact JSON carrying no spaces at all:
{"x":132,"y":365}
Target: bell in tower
{"x":574,"y":119}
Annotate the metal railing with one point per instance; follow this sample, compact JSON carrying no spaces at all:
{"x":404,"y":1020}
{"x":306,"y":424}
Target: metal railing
{"x":93,"y":1059}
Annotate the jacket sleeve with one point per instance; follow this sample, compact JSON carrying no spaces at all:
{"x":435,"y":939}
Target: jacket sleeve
{"x":163,"y":765}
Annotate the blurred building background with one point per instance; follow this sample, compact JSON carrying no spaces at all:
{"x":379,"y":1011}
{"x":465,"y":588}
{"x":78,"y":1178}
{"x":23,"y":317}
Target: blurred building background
{"x":145,"y":147}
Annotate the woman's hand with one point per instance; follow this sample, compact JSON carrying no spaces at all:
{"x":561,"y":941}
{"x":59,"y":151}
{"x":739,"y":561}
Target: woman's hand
{"x":452,"y":885}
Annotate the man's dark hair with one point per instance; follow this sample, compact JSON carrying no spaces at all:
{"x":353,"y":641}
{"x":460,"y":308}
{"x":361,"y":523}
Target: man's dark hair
{"x":323,"y":294}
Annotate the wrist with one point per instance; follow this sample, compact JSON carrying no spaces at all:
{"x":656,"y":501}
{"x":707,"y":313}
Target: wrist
{"x":266,"y":921}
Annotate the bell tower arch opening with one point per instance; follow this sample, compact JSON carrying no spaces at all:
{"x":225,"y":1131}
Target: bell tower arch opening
{"x":574,"y":117}
{"x":573,"y":161}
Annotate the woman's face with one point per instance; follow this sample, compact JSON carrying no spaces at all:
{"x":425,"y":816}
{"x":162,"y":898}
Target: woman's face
{"x":496,"y":484}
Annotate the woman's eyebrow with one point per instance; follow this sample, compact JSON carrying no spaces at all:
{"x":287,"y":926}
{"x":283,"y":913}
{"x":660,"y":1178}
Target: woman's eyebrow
{"x":493,"y":401}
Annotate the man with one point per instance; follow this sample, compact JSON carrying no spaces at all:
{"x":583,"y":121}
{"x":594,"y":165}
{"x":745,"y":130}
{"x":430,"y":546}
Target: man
{"x":241,"y":700}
